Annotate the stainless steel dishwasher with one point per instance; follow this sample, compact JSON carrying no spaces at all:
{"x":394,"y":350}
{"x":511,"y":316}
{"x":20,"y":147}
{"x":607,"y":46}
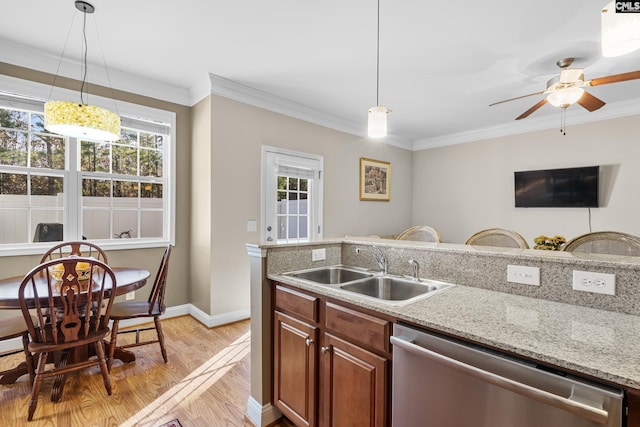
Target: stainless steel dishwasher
{"x":438,"y":382}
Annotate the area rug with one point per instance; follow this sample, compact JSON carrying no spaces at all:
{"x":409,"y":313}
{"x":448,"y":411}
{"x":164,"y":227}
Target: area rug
{"x":174,"y":423}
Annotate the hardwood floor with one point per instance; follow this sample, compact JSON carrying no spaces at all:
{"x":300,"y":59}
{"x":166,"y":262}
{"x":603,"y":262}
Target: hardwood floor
{"x":205,"y":383}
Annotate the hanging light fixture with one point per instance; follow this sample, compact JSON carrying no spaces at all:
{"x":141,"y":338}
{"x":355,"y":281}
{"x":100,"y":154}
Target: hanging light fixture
{"x":377,"y":123}
{"x":620,"y":31}
{"x":80,"y":120}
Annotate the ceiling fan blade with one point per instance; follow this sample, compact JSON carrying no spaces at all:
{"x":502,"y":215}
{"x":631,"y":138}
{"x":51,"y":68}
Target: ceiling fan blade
{"x":532,"y":109}
{"x":513,"y":99}
{"x":590,"y":102}
{"x":615,"y":78}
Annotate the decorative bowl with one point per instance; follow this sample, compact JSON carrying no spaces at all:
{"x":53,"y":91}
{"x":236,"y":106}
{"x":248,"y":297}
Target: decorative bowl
{"x":82,"y":268}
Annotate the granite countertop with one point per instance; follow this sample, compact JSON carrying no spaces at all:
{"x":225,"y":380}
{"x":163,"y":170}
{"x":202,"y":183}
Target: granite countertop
{"x":602,"y":344}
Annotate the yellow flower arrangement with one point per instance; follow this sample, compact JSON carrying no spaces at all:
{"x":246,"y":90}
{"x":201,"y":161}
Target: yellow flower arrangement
{"x":554,"y":243}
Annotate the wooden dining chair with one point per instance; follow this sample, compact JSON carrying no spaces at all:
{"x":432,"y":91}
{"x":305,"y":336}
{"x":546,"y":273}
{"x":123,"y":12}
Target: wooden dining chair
{"x":14,"y":327}
{"x":81,"y":248}
{"x":154,"y":307}
{"x":67,"y":314}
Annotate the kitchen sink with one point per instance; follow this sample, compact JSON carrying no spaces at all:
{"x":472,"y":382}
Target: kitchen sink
{"x":386,"y":288}
{"x":391,"y":288}
{"x":331,"y":275}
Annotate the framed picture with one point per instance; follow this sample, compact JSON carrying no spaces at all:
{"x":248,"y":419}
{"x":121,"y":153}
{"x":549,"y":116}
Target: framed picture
{"x":375,"y":180}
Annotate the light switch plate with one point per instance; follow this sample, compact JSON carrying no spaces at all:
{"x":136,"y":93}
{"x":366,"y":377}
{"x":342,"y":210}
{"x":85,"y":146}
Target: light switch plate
{"x":523,"y":274}
{"x":318,"y":254}
{"x":252,"y":226}
{"x":130,"y":295}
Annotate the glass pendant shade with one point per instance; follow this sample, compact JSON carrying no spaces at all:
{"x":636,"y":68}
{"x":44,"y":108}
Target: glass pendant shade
{"x":565,"y":97}
{"x":81,"y":121}
{"x":377,"y":122}
{"x":620,"y":31}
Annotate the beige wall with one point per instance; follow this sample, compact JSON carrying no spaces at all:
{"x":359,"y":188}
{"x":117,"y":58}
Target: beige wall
{"x":201,"y":185}
{"x":177,"y":289}
{"x":462,"y":189}
{"x":238,"y":132}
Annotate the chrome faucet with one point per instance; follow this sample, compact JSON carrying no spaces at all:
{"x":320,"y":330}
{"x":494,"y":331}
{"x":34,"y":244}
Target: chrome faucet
{"x":414,"y":266}
{"x":380,"y":257}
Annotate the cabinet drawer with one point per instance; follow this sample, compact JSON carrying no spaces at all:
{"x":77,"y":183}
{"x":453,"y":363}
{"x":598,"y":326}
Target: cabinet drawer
{"x":297,"y":303}
{"x":358,"y":327}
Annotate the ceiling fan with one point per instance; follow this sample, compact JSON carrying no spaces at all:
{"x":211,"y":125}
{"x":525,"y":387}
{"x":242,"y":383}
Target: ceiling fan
{"x":568,"y":88}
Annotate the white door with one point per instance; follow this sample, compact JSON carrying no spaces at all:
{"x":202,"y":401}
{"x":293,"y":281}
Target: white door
{"x":291,"y":196}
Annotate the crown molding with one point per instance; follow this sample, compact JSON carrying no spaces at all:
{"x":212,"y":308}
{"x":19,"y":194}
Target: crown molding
{"x":39,"y":60}
{"x":226,"y":88}
{"x":573,"y":117}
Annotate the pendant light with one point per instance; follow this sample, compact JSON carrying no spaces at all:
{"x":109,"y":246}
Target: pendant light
{"x":377,"y":123}
{"x":620,"y":31}
{"x":80,"y":120}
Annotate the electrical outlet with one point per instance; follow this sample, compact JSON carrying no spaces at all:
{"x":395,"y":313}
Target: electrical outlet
{"x":523,"y":274}
{"x":599,"y":283}
{"x":130,"y":295}
{"x":318,"y":254}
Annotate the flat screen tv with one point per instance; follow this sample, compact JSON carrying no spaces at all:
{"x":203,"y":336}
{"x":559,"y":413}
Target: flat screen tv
{"x":557,"y":188}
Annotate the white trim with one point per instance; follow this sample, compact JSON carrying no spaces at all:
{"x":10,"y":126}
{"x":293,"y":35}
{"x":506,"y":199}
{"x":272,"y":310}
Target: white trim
{"x":175,"y":311}
{"x":260,"y":415}
{"x":211,"y":321}
{"x":573,"y":117}
{"x":36,"y":59}
{"x":226,"y":88}
{"x":256,"y":251}
{"x":271,"y":156}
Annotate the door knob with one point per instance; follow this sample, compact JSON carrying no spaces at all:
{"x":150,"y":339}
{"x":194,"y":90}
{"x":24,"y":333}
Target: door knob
{"x":308,"y":342}
{"x":324,"y":349}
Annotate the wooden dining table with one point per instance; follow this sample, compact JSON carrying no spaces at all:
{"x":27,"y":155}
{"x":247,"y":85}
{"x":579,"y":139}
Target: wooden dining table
{"x":127,"y":280}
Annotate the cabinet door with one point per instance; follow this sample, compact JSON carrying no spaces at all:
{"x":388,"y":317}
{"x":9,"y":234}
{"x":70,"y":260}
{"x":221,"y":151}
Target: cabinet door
{"x":294,"y":370}
{"x":354,"y":385}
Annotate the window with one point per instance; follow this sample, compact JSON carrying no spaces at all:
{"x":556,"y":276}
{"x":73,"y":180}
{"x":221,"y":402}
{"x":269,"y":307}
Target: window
{"x":54,"y":188}
{"x":292,"y":194}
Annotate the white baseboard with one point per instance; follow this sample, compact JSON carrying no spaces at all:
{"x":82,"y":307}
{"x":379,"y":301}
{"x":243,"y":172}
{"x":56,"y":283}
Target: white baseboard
{"x":260,"y":415}
{"x":175,"y":311}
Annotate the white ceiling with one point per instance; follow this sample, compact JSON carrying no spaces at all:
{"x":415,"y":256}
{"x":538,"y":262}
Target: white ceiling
{"x":441,"y":63}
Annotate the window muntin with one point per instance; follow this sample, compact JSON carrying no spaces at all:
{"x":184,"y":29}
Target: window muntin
{"x":37,"y":169}
{"x":293,"y":209}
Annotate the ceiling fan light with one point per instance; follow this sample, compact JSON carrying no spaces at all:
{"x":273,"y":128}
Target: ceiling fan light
{"x":620,"y":31}
{"x":81,"y":121}
{"x":565,"y":97}
{"x":377,"y":123}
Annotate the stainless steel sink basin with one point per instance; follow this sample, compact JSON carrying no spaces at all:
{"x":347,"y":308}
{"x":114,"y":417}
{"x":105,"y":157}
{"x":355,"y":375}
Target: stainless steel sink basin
{"x":331,"y":275}
{"x":391,"y":288}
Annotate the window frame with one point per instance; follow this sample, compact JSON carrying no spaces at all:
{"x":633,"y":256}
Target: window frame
{"x":36,"y":94}
{"x":272,"y":157}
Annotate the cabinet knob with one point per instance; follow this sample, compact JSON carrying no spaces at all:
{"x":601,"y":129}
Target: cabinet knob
{"x":308,"y":342}
{"x":324,"y":349}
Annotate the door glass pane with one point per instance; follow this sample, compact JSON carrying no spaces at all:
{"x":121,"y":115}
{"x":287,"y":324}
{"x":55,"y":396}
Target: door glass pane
{"x":293,"y":227}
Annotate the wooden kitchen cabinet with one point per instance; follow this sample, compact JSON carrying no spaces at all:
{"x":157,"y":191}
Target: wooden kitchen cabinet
{"x":294,"y":370}
{"x":354,"y":386}
{"x":340,"y":380}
